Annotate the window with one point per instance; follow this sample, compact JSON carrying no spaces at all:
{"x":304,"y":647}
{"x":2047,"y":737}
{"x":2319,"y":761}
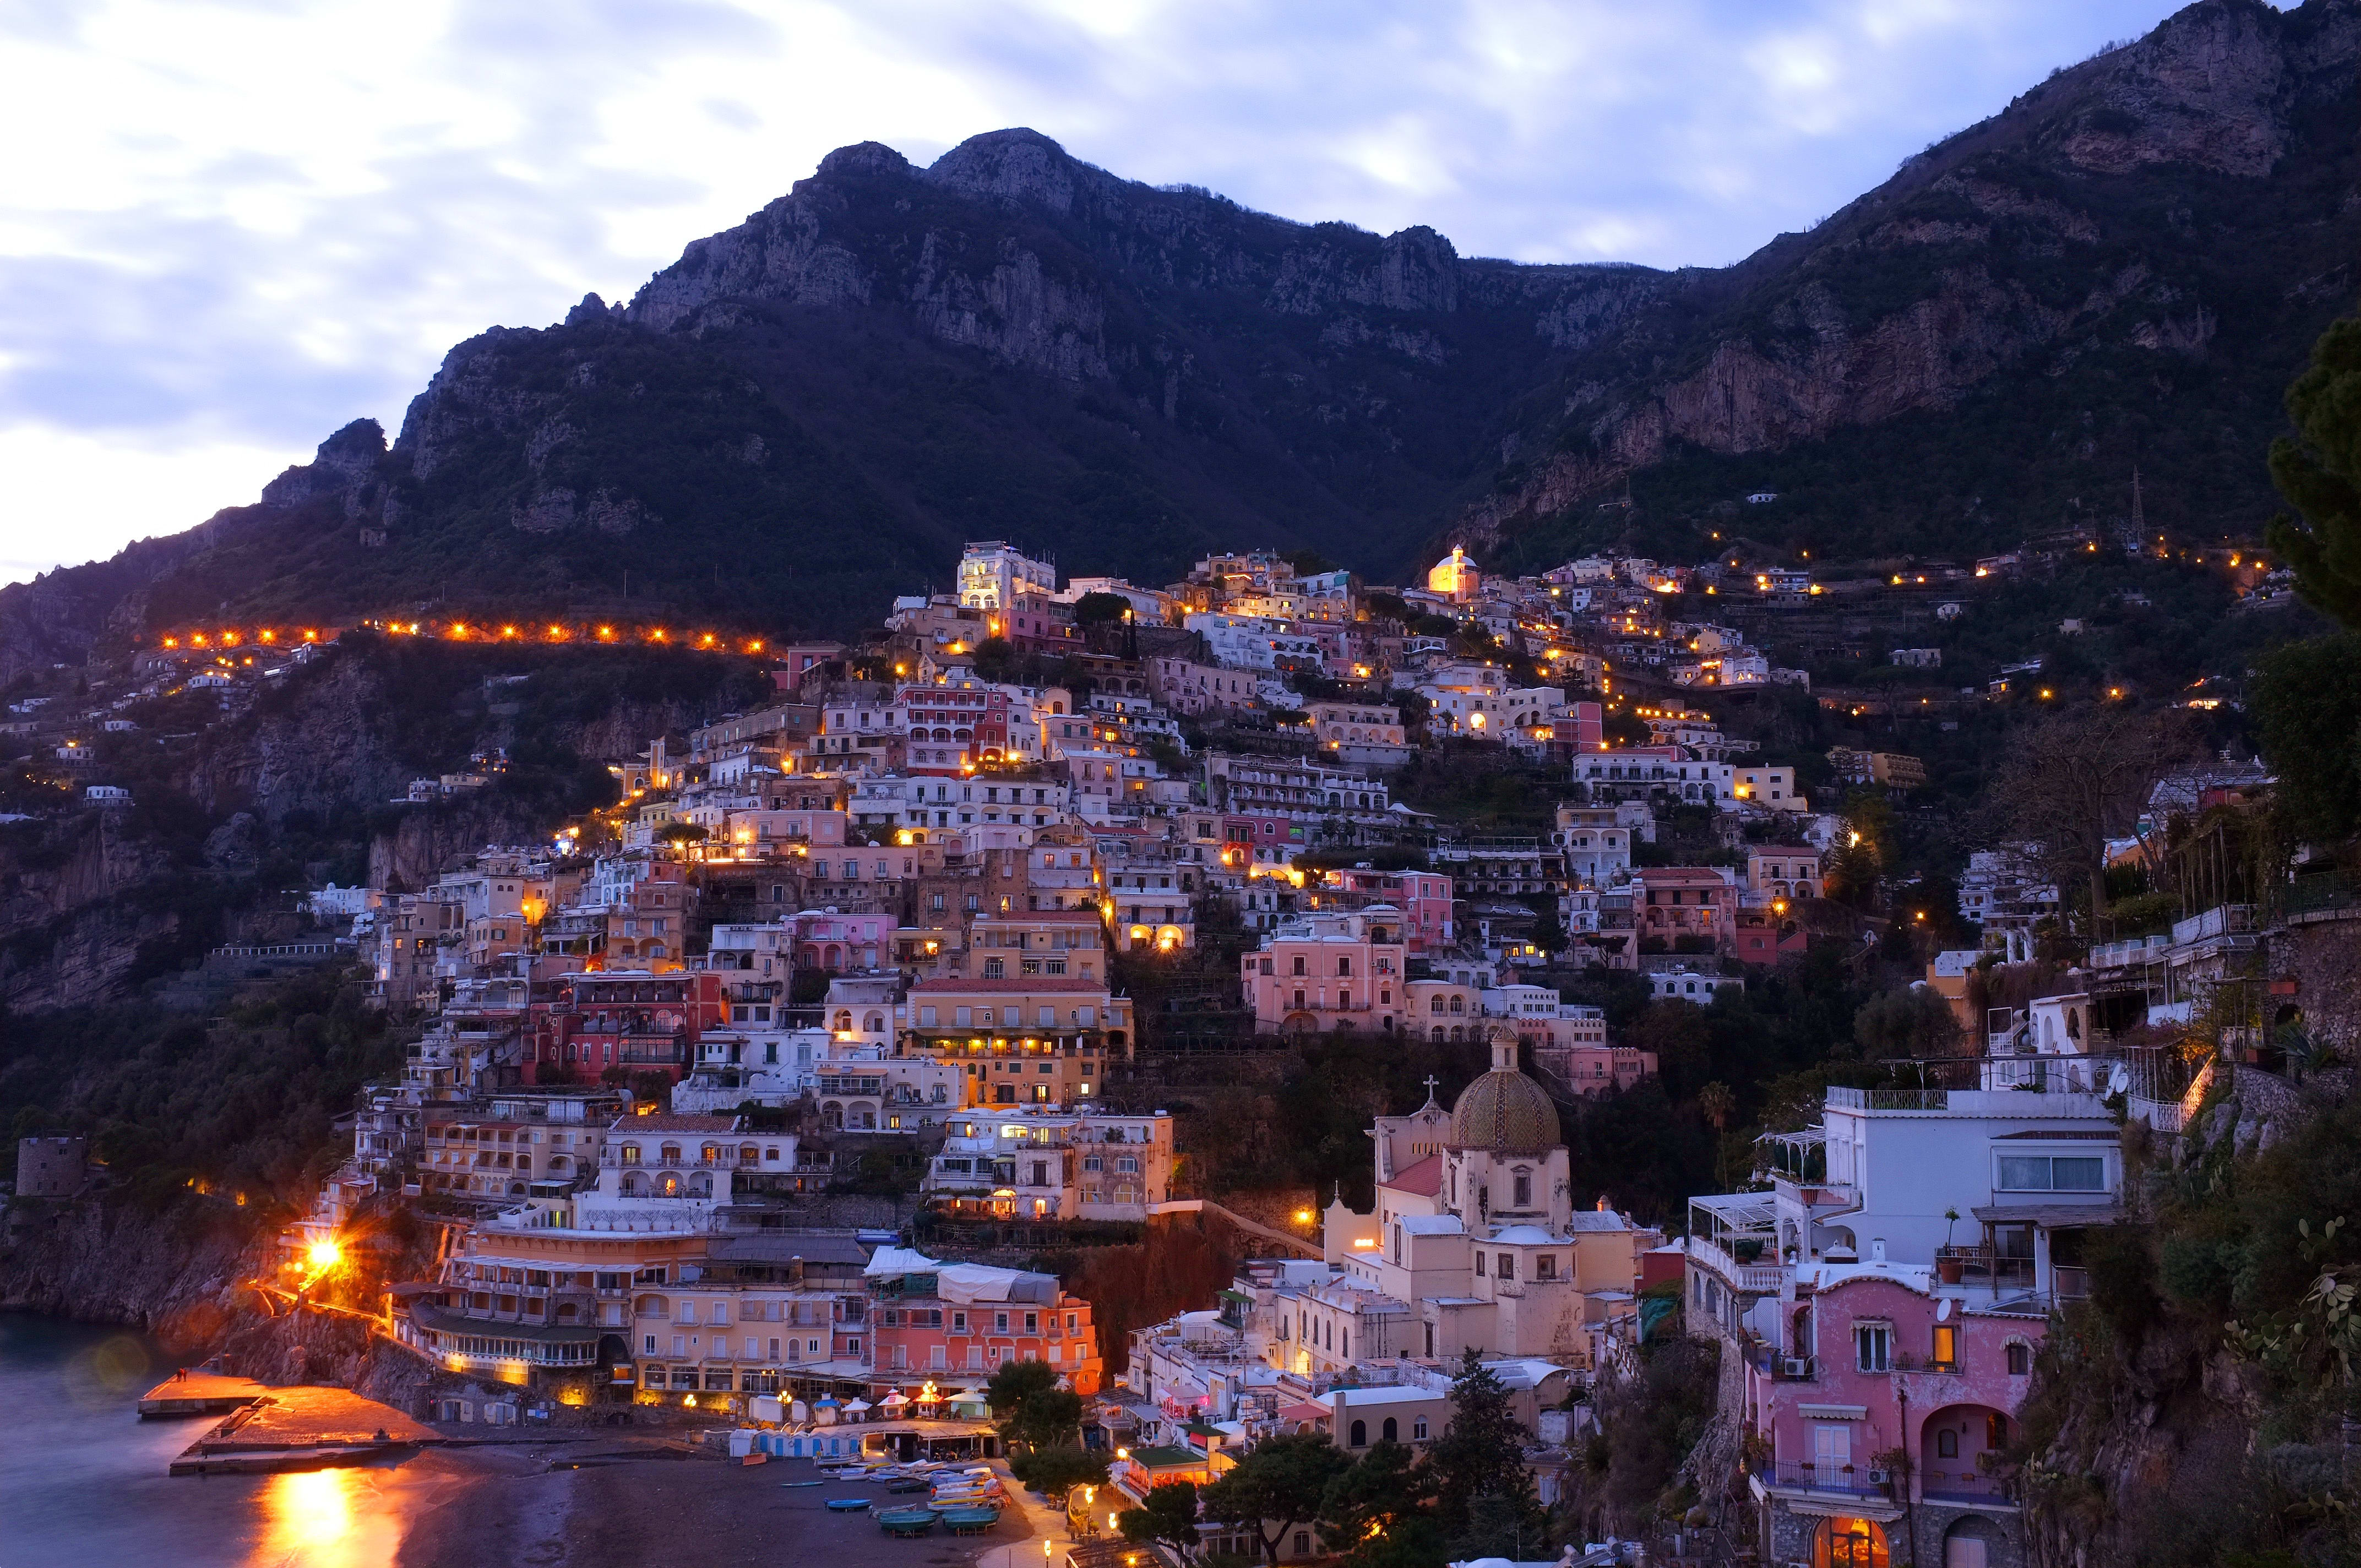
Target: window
{"x":1947,"y":1444}
{"x":1831,"y":1449}
{"x":1507,"y":1265}
{"x":993,"y":968}
{"x":2020,"y":1358}
{"x":1417,"y":1429}
{"x":2053,"y":1173}
{"x":1524,"y":1188}
{"x":1360,"y":1435}
{"x":1947,"y":1345}
{"x":1872,"y":1344}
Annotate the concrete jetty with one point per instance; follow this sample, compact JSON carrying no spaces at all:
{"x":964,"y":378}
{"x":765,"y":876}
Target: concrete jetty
{"x":302,"y":1428}
{"x":193,"y":1393}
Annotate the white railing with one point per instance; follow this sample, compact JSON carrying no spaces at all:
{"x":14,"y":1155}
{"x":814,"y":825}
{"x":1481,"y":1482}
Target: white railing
{"x":1768,"y":1278}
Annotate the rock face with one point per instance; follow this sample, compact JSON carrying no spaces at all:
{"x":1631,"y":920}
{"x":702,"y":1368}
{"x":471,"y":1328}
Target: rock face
{"x":2124,"y":266}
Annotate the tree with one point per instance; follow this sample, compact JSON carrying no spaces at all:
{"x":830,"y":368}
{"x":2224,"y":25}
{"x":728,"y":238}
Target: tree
{"x":1379,"y":1513}
{"x":1481,"y":1455}
{"x":2318,"y":471}
{"x":1100,"y":609}
{"x":2077,"y":780}
{"x":1058,"y":1470}
{"x":1278,"y":1485}
{"x":1029,"y":1407}
{"x":1915,"y":1022}
{"x":1170,"y":1517}
{"x":1718,"y":1104}
{"x":2307,"y":712}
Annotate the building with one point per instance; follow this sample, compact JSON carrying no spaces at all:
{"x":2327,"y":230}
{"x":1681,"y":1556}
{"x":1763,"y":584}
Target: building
{"x":1019,"y":1040}
{"x":993,"y":575}
{"x":1783,"y":872}
{"x":1455,"y":578}
{"x":1865,"y":1323}
{"x":1053,"y":1163}
{"x":1477,"y":1241}
{"x":1686,"y":908}
{"x":1325,"y":973}
{"x":970,"y":1319}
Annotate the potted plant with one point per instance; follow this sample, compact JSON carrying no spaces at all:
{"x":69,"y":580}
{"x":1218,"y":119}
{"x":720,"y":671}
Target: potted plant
{"x":1950,"y":1268}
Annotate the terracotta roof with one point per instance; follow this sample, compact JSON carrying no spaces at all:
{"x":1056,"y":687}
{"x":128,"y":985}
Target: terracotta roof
{"x":1017,"y":987}
{"x":1424,"y":1179}
{"x":664,"y":1122}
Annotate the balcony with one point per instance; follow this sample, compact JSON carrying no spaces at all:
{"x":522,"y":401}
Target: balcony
{"x":1845,"y":1480}
{"x":1772,"y":1362}
{"x":1765,"y":1278}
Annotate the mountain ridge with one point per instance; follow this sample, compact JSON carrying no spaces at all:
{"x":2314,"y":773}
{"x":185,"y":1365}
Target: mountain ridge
{"x":820,"y":404}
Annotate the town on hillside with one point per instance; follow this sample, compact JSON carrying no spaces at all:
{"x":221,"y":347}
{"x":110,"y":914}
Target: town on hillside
{"x":788,"y":1093}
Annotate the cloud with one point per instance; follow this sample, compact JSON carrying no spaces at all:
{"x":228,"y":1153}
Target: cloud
{"x":232,"y":228}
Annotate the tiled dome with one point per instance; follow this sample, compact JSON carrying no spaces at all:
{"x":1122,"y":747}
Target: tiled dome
{"x":1504,"y":1110}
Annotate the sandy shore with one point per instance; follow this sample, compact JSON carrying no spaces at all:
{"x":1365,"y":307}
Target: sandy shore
{"x":611,"y":1502}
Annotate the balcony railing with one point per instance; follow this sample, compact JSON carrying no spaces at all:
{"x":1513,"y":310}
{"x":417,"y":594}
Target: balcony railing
{"x":1845,"y":1480}
{"x":1956,"y":1485}
{"x":1770,"y":1278}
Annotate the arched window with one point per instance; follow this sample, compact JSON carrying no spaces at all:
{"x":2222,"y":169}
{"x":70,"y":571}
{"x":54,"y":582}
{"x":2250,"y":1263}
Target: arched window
{"x":1387,"y":1432}
{"x":1459,"y":1005}
{"x":1438,"y":1034}
{"x":1438,"y":1005}
{"x":1360,"y":1435}
{"x":670,"y":1154}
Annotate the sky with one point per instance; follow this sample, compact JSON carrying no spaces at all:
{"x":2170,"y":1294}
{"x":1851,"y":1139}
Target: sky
{"x":229,"y":228}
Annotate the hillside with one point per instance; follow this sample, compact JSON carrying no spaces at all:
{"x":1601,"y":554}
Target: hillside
{"x":811,"y":410}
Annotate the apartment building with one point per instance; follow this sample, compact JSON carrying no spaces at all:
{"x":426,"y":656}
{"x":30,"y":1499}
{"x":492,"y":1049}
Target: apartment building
{"x":1323,"y":972}
{"x":965,"y":1317}
{"x":1052,"y":1163}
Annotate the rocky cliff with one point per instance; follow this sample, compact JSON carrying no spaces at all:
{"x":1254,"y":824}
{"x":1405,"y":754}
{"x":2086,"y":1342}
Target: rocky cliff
{"x":2123,"y":267}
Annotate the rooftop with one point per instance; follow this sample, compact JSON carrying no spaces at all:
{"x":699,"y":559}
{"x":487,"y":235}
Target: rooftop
{"x":1423,"y":1178}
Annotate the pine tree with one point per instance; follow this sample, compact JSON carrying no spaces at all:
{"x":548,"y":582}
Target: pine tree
{"x":1480,"y":1459}
{"x":2320,"y":474}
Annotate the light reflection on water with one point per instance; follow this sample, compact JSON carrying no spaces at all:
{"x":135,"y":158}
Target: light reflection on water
{"x":82,"y":1480}
{"x":327,"y":1518}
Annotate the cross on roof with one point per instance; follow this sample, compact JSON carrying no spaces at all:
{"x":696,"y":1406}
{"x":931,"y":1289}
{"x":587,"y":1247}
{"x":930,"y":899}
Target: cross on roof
{"x":1430,"y":1087}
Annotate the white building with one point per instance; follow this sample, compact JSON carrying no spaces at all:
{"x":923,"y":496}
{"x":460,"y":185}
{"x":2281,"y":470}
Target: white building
{"x":993,"y":575}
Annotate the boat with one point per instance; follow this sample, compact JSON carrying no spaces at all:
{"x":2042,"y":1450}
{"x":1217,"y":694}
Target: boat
{"x":909,"y":1484}
{"x":906,"y":1521}
{"x":848,"y":1505}
{"x":971,"y":1520}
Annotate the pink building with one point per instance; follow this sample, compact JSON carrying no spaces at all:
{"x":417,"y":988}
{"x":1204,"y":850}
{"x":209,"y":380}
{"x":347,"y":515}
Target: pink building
{"x":964,"y":1319}
{"x":1329,"y":972}
{"x":1423,"y":898}
{"x":1593,"y":1067}
{"x":1671,"y":902}
{"x":1888,"y":1412}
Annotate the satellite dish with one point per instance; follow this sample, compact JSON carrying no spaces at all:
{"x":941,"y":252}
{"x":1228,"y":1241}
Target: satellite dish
{"x":2120,"y":1080}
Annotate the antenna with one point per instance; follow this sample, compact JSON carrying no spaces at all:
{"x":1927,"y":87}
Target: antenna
{"x":2139,"y":520}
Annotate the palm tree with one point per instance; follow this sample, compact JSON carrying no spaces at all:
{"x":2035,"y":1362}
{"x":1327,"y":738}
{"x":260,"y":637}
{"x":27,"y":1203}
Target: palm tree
{"x":1718,"y":1104}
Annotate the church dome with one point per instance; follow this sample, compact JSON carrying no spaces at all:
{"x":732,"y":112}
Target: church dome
{"x":1504,"y":1110}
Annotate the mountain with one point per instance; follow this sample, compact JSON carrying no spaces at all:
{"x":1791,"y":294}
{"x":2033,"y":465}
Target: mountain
{"x":812,"y":410}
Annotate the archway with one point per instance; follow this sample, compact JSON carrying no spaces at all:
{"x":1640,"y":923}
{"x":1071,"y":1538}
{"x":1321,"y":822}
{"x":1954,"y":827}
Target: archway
{"x":1953,"y":1444}
{"x":1972,"y":1541}
{"x":1851,"y":1543}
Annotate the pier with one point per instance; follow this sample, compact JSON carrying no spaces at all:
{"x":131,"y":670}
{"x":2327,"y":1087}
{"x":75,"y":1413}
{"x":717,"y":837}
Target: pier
{"x":195,"y":1393}
{"x":301,"y":1429}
